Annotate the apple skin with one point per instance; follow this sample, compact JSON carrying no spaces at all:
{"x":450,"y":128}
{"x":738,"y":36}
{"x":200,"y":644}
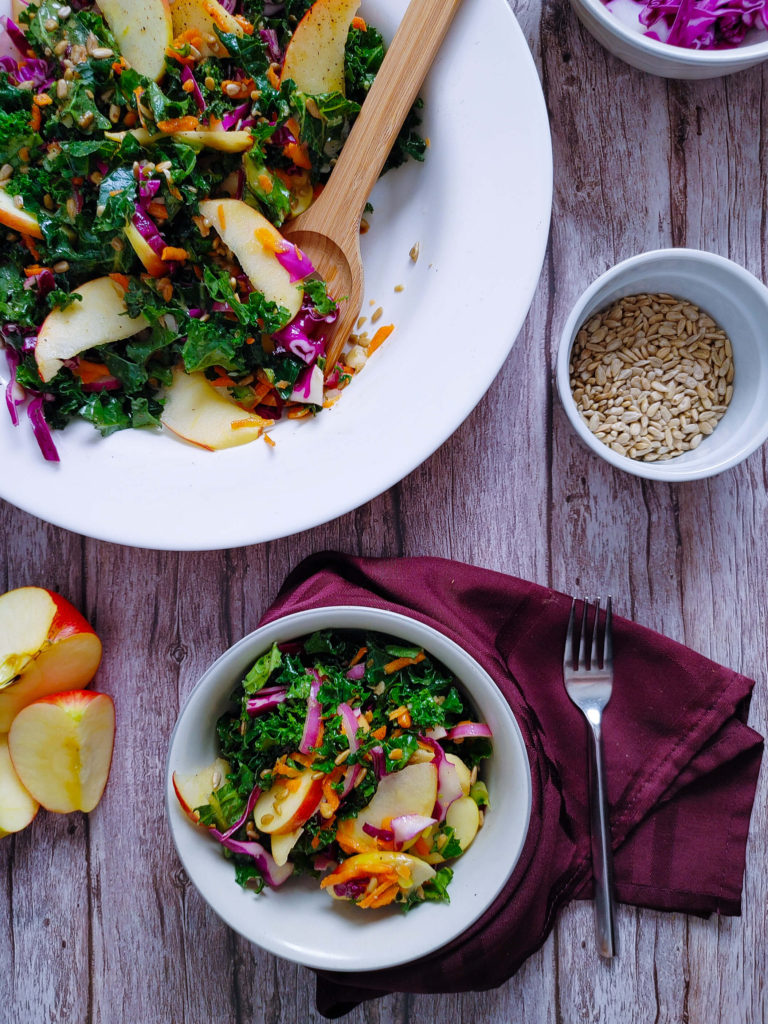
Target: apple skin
{"x":17,"y":806}
{"x":201,"y":16}
{"x":18,"y":220}
{"x":143,"y":29}
{"x":314,"y":58}
{"x":61,"y":748}
{"x":291,"y":810}
{"x":245,"y":231}
{"x":98,"y":319}
{"x":61,"y":650}
{"x":194,"y":790}
{"x":199,"y":413}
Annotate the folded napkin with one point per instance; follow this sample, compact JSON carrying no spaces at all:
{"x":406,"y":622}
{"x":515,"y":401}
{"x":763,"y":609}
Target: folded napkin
{"x":681,"y":764}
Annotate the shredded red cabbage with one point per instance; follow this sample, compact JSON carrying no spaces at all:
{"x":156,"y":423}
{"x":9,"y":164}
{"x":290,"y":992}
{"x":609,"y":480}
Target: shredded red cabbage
{"x":297,"y":263}
{"x":230,"y":120}
{"x":14,"y":393}
{"x":250,"y":804}
{"x":265,"y":862}
{"x":313,"y":720}
{"x":469,"y":730}
{"x":16,"y":36}
{"x":357,"y":671}
{"x":41,"y":429}
{"x":269,"y":38}
{"x":408,"y":826}
{"x":264,"y":702}
{"x":448,"y":784}
{"x":197,"y":96}
{"x":386,"y":834}
{"x":702,"y":24}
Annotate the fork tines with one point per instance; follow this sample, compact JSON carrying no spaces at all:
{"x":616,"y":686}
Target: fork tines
{"x":574,"y":658}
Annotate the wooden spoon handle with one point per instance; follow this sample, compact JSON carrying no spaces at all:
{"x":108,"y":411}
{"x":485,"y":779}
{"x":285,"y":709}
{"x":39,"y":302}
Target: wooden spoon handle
{"x":391,"y":96}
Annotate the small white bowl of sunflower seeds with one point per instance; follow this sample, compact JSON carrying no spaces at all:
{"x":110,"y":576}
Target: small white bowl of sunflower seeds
{"x":663,"y":365}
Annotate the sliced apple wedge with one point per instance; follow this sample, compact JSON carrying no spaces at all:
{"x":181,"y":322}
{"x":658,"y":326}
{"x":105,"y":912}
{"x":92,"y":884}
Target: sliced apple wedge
{"x":195,"y":790}
{"x":143,"y":29}
{"x":463,"y":816}
{"x":16,"y":219}
{"x":314,"y":58}
{"x":255,"y":242}
{"x":202,"y":16}
{"x":412,"y":790}
{"x":152,"y":262}
{"x":376,"y":868}
{"x":202,"y":415}
{"x":61,"y":748}
{"x":45,"y":646}
{"x":17,"y":806}
{"x":281,"y":810}
{"x":283,"y":843}
{"x":225,"y":142}
{"x":99,"y":318}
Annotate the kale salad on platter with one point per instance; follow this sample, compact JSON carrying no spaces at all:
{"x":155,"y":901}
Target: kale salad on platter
{"x":149,"y":154}
{"x":351,"y":757}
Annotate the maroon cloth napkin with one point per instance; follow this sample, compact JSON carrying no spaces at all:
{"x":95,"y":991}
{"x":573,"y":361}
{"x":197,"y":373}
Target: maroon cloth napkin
{"x":681,"y":764}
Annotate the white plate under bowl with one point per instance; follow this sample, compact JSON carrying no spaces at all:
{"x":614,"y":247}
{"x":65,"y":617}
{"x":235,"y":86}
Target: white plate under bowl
{"x":482,"y":227}
{"x":298,"y":921}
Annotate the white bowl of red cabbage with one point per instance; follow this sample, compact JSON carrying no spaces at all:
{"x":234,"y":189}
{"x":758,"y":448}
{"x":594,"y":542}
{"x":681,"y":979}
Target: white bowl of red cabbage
{"x":685,"y":39}
{"x":346,"y":772}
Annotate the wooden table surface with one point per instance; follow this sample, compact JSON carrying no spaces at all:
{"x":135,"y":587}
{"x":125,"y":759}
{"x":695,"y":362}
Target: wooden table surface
{"x":102,"y":925}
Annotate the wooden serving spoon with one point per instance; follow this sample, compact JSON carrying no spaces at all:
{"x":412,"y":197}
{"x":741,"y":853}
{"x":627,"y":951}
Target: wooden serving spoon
{"x":329,"y":231}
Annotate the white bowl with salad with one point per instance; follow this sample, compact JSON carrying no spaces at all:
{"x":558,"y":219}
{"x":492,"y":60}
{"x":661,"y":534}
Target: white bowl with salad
{"x":683,"y":39}
{"x":337,"y":768}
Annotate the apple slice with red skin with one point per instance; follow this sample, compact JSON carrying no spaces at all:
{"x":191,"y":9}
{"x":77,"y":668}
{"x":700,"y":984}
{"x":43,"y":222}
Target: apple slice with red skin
{"x":314,"y":58}
{"x":17,"y":806}
{"x":143,"y":29}
{"x":100,"y":317}
{"x":206,"y":416}
{"x":61,"y":749}
{"x":195,"y":790}
{"x":46,"y":646}
{"x":18,"y":219}
{"x":412,"y":790}
{"x":285,"y":807}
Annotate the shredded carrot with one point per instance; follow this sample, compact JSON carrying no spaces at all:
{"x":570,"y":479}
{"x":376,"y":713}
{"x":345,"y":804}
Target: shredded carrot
{"x":271,"y":444}
{"x":78,"y":180}
{"x":360,"y":654}
{"x":297,"y":152}
{"x":90,"y":373}
{"x":397,"y":712}
{"x":305,"y":759}
{"x":122,"y":279}
{"x":398,"y":663}
{"x":188,"y":123}
{"x":380,"y":733}
{"x":359,"y":24}
{"x":173,"y":252}
{"x":244,"y":24}
{"x":245,"y":87}
{"x":405,"y":720}
{"x":242,"y":424}
{"x":33,"y":269}
{"x":220,"y":17}
{"x":30,"y":244}
{"x":421,"y":847}
{"x":265,"y":183}
{"x":270,"y":400}
{"x":191,"y":37}
{"x":157,"y":210}
{"x":380,"y":337}
{"x":119,"y":66}
{"x":42,"y":99}
{"x":292,"y":785}
{"x":250,"y":340}
{"x":188,"y":86}
{"x":222,"y":382}
{"x":130,"y":118}
{"x":269,"y":239}
{"x":222,"y":217}
{"x":272,"y":77}
{"x":298,"y":412}
{"x":35,"y":120}
{"x":315,"y":839}
{"x":175,"y":55}
{"x":387,"y":887}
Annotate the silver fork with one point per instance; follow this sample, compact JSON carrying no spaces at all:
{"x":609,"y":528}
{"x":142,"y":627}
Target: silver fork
{"x":589,"y":686}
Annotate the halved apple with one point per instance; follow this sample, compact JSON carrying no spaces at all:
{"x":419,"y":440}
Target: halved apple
{"x":198,"y":412}
{"x":314,"y":58}
{"x":61,"y":749}
{"x":202,"y":16}
{"x":412,"y":790}
{"x":287,"y":804}
{"x":255,"y":242}
{"x":195,"y":790}
{"x":16,"y":219}
{"x":99,"y":318}
{"x":45,"y":646}
{"x":143,"y":29}
{"x":17,"y":806}
{"x":226,"y":142}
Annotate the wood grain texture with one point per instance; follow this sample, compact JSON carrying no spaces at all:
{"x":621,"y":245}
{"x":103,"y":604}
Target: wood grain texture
{"x":102,"y":922}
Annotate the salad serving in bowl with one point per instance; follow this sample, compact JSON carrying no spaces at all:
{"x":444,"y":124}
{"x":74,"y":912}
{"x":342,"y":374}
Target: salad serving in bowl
{"x":429,"y":275}
{"x":401,"y":779}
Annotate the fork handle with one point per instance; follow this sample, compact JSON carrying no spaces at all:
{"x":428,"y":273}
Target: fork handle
{"x":602,"y":854}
